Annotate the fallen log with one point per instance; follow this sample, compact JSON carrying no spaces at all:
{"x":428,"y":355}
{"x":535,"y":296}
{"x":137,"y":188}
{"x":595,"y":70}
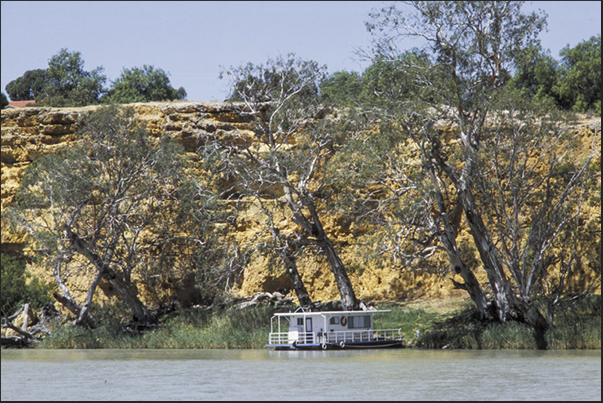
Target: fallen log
{"x":25,"y":338}
{"x":13,"y":342}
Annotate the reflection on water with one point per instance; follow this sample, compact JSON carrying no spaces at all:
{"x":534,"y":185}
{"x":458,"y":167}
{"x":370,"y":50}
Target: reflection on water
{"x":300,"y":375}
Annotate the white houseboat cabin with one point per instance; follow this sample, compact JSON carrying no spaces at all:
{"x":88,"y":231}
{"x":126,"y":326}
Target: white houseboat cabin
{"x":303,"y":329}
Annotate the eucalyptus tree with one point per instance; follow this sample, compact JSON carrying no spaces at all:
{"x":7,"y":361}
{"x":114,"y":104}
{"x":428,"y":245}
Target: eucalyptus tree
{"x":471,"y":48}
{"x":143,"y":84}
{"x":535,"y":184}
{"x":579,"y":76}
{"x":27,"y":87}
{"x":282,"y":161}
{"x":104,"y":207}
{"x":66,"y":83}
{"x":536,"y":75}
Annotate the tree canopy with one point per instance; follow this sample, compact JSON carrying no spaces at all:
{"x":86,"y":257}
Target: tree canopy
{"x":66,"y":83}
{"x":143,"y":84}
{"x":460,"y":76}
{"x":454,"y":158}
{"x":28,"y":87}
{"x":579,"y":82}
{"x":3,"y":101}
{"x":282,"y":96}
{"x":102,"y":198}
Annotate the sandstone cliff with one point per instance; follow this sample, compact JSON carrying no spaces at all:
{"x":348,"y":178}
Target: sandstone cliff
{"x":28,"y":133}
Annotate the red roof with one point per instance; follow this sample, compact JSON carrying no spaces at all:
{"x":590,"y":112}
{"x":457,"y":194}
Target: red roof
{"x":21,"y":104}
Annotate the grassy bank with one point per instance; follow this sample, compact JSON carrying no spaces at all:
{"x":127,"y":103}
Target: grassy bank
{"x":578,"y":327}
{"x":426,"y":325}
{"x":247,"y":328}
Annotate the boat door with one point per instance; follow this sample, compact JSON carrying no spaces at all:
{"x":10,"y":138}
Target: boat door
{"x":309,"y":334}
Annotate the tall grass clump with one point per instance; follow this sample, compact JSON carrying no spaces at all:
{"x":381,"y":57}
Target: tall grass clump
{"x":410,"y":321}
{"x":108,"y":334}
{"x":184,"y":329}
{"x":578,"y":327}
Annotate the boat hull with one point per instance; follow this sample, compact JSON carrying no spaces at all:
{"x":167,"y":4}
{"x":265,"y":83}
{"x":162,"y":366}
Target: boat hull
{"x":340,"y":346}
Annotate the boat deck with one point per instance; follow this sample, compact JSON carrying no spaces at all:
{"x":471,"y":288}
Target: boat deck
{"x":305,"y":330}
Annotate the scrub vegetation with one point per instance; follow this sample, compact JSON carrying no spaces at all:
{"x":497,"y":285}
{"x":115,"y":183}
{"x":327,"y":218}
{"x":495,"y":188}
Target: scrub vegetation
{"x":456,"y":326}
{"x":457,"y":159}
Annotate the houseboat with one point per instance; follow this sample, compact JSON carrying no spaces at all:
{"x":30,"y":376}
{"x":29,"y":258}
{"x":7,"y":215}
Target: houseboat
{"x":305,"y":330}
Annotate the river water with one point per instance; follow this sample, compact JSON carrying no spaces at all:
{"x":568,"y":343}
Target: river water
{"x":300,"y":375}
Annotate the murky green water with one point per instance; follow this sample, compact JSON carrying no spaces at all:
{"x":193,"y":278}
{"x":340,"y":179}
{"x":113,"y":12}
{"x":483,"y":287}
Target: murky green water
{"x":300,"y":375}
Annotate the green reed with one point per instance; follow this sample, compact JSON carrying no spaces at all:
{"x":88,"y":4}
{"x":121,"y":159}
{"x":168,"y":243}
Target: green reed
{"x":230,"y":328}
{"x":576,"y":328}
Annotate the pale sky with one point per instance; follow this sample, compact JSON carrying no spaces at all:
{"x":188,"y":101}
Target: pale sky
{"x":194,"y":41}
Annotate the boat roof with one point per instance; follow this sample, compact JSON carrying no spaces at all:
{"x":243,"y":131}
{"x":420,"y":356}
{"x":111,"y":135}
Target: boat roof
{"x":329,"y":312}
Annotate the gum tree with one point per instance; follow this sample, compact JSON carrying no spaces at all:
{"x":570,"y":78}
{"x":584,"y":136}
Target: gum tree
{"x":471,"y":47}
{"x":66,"y":83}
{"x":27,"y":87}
{"x":281,"y":162}
{"x":579,"y":82}
{"x":143,"y":84}
{"x":104,"y":206}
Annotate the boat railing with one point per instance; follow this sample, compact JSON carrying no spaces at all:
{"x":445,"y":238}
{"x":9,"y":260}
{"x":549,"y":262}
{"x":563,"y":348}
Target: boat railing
{"x":349,"y":336}
{"x":293,"y":337}
{"x":335,"y":337}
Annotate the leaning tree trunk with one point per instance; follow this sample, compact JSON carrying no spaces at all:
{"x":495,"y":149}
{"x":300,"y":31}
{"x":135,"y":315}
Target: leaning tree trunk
{"x":509,"y":307}
{"x":315,"y":229}
{"x":448,"y":239}
{"x":298,"y":285}
{"x":346,"y":291}
{"x":288,"y":258}
{"x":471,"y":285}
{"x":82,"y":318}
{"x":501,"y":287}
{"x":140,"y":313}
{"x":128,"y":295}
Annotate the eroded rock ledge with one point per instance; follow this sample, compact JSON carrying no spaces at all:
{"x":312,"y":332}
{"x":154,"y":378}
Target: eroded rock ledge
{"x":29,"y":133}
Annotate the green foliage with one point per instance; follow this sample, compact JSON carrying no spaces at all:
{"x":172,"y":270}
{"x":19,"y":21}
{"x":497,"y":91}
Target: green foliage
{"x":229,"y":328}
{"x":397,"y":78}
{"x":19,"y":288}
{"x":68,"y":84}
{"x":123,"y":197}
{"x":283,"y":79}
{"x":537,"y":74}
{"x":576,"y":328}
{"x":3,"y":101}
{"x":579,"y":327}
{"x":342,"y":87}
{"x":29,"y":86}
{"x":384,"y":78}
{"x":579,"y":83}
{"x":103,"y":193}
{"x":473,"y":45}
{"x":144,"y":84}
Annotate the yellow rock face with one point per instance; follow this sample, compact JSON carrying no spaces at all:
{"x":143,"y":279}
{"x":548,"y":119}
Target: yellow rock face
{"x":29,"y":133}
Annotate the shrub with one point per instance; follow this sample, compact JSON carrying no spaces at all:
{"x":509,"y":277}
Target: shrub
{"x":19,"y":287}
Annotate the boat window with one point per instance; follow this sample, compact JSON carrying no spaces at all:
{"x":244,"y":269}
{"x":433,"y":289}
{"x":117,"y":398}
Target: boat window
{"x":334,"y":320}
{"x":357,"y":322}
{"x":300,"y":321}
